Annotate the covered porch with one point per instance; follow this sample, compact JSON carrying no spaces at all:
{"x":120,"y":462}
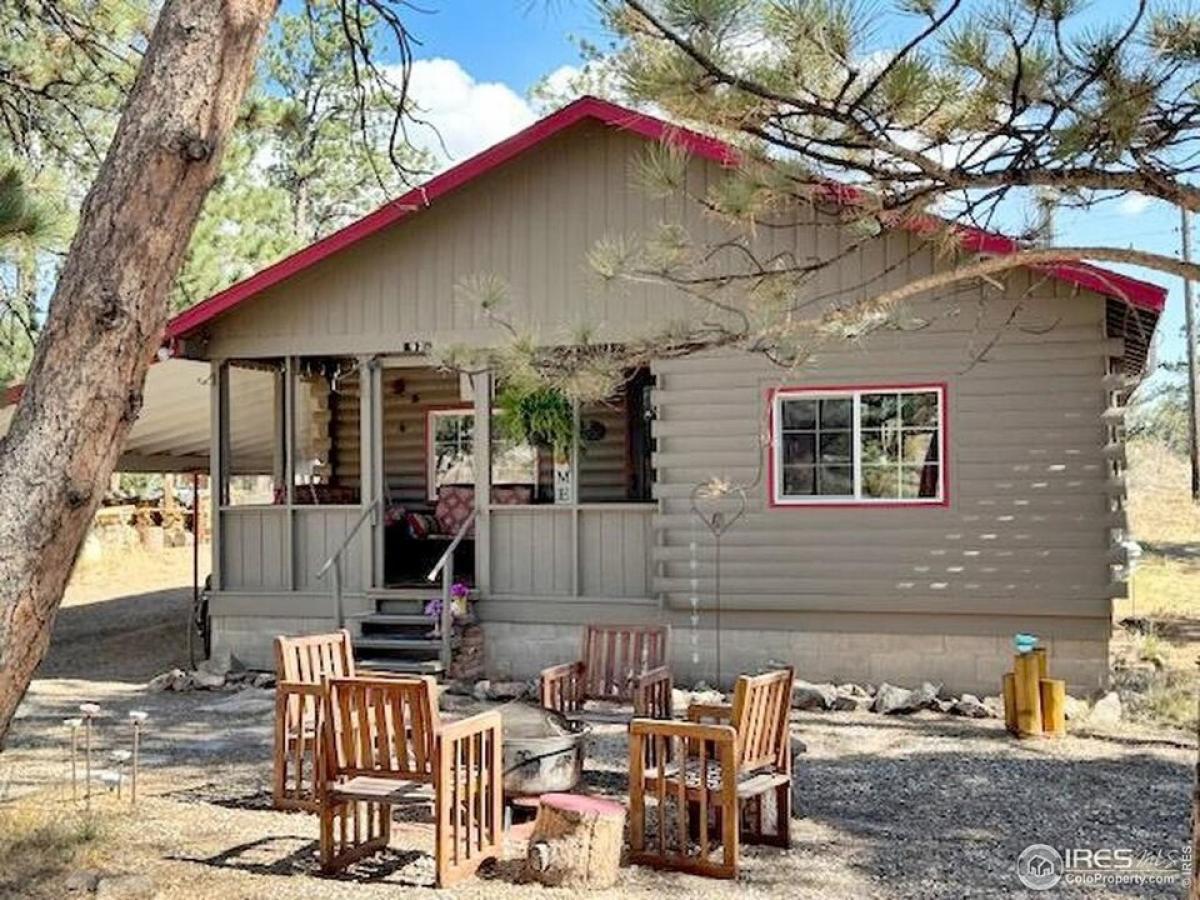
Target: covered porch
{"x":343,"y":484}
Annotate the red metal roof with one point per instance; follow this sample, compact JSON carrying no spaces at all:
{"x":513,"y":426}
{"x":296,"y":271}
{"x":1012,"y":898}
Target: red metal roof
{"x":1140,"y":293}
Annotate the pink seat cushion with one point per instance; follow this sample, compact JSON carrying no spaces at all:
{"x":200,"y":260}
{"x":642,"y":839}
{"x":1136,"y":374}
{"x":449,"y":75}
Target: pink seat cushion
{"x":455,"y":504}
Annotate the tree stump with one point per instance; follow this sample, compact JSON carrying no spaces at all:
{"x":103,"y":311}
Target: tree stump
{"x":576,"y":842}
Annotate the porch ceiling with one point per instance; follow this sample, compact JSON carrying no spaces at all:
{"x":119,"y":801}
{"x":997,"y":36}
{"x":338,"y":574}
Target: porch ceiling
{"x":172,"y":431}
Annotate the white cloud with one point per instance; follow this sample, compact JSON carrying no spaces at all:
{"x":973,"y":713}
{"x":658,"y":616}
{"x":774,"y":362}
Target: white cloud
{"x":1133,"y":204}
{"x":468,"y":115}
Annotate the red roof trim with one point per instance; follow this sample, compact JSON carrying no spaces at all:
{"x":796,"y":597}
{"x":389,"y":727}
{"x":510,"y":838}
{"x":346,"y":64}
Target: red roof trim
{"x":1140,"y":293}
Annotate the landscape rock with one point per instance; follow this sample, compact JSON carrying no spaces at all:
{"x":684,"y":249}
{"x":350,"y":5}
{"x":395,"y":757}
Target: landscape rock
{"x":507,"y":690}
{"x":942,"y":706}
{"x":995,"y":706}
{"x":263,"y":680}
{"x":851,"y":702}
{"x":970,"y":706}
{"x":892,"y":700}
{"x":707,"y":696}
{"x":806,"y":695}
{"x":1106,"y":711}
{"x":125,"y":887}
{"x":1076,"y":710}
{"x":481,"y":689}
{"x":164,"y":681}
{"x":206,"y":680}
{"x":798,"y":747}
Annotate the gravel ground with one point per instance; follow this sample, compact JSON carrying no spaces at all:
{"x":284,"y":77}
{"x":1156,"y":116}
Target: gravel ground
{"x":923,"y":806}
{"x":920,"y":806}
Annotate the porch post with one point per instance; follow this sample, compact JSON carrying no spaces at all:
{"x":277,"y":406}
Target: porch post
{"x":216,"y":463}
{"x":481,"y":384}
{"x":368,"y":477}
{"x":289,"y":466}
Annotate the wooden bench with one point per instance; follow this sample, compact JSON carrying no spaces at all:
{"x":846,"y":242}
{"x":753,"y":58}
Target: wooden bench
{"x":622,"y":663}
{"x":384,"y":745}
{"x":720,"y":763}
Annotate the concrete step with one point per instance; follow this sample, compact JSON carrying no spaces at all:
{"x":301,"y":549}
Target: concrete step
{"x":417,"y":619}
{"x":404,"y":666}
{"x":398,"y":644}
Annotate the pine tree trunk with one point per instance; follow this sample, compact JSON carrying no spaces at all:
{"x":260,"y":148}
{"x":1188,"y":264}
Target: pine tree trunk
{"x":106,"y":317}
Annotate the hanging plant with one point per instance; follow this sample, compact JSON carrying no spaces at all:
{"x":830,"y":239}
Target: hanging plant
{"x":535,"y":414}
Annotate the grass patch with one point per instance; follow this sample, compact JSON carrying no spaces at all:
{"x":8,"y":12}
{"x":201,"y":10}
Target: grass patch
{"x":39,"y":846}
{"x":1162,"y":698}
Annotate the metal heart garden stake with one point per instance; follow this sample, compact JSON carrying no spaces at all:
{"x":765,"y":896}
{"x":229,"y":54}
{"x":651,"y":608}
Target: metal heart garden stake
{"x":707,"y":500}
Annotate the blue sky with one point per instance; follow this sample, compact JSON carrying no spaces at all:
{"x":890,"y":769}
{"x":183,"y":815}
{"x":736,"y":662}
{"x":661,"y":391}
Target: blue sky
{"x":479,"y":58}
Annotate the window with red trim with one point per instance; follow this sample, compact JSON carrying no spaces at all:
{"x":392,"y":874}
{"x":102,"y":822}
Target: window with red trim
{"x":852,"y":445}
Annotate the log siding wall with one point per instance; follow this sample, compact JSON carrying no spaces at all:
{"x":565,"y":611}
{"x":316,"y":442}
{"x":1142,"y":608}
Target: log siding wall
{"x":1024,"y":542}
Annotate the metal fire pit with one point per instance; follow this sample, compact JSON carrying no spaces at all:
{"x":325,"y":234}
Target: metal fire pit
{"x":543,"y":750}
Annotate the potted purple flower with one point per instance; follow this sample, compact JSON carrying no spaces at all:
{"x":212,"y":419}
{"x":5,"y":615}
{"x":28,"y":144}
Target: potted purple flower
{"x":459,"y":593}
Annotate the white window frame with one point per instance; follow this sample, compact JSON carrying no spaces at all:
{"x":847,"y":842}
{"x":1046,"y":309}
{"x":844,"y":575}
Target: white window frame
{"x":431,"y":415}
{"x":854,"y":393}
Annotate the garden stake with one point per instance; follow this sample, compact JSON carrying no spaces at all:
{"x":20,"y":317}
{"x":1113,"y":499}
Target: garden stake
{"x":88,"y":710}
{"x":137,"y":717}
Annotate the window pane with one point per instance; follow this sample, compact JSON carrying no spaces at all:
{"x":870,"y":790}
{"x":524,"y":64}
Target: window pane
{"x":878,"y":409}
{"x":920,"y":409}
{"x":879,"y":446}
{"x":837,"y":413}
{"x":453,"y":466}
{"x":799,"y":413}
{"x":798,"y":481}
{"x":513,"y":463}
{"x":447,"y":428}
{"x":835,"y":481}
{"x":799,"y":448}
{"x":835,"y":447}
{"x":920,"y":446}
{"x":881,"y":481}
{"x":918,"y":482}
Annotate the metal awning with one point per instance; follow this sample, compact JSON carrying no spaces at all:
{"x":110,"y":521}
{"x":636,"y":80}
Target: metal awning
{"x":172,"y":431}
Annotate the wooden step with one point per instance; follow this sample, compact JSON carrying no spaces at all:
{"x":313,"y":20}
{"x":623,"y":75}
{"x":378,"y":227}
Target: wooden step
{"x":406,"y":666}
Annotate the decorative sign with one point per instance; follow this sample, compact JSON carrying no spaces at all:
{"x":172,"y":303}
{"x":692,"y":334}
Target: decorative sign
{"x":564,"y":480}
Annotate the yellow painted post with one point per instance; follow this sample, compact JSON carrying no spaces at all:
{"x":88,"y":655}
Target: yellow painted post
{"x":1029,"y":700}
{"x":1043,"y":662}
{"x":1054,"y":706}
{"x":1010,"y":702}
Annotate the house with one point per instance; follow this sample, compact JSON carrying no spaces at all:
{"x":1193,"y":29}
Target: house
{"x":911,"y":501}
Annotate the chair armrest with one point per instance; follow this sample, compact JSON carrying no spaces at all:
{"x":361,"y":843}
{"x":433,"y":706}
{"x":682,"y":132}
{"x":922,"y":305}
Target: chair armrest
{"x":652,"y":694}
{"x":691,"y":730}
{"x":305,"y":688}
{"x":560,"y":687}
{"x":720,"y":712}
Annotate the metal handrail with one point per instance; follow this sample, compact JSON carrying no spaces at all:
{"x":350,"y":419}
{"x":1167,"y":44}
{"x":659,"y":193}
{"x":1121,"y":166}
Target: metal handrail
{"x":335,"y":561}
{"x":458,"y":536}
{"x":445,"y":565}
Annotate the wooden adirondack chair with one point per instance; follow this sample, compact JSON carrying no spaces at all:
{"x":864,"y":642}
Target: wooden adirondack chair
{"x":382,"y":745}
{"x":619,"y":662}
{"x":308,"y":660}
{"x":724,"y":769}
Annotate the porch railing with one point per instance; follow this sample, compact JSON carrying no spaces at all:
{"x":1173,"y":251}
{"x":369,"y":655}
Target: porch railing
{"x":445,"y":565}
{"x":335,"y":561}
